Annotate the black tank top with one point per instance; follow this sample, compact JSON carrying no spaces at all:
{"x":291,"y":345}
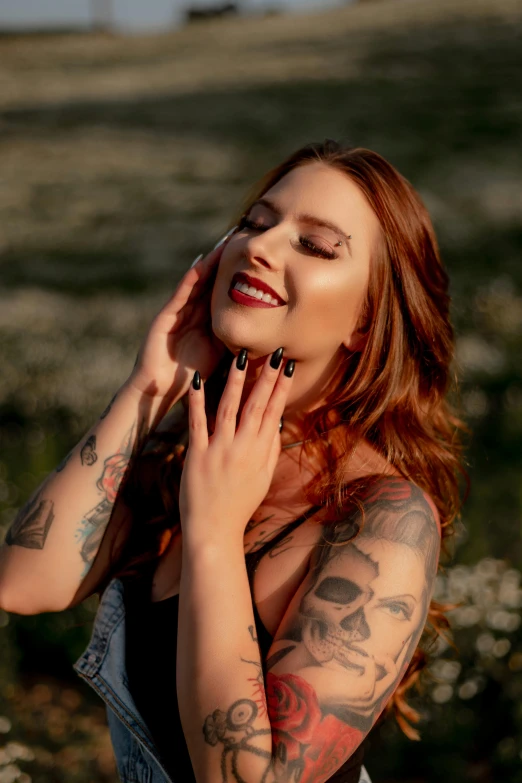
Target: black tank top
{"x":151,"y":648}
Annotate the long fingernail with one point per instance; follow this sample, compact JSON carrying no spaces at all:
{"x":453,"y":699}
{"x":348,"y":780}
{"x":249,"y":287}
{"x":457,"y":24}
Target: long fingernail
{"x":290,"y":367}
{"x":196,"y":381}
{"x":198,"y":258}
{"x":224,"y":239}
{"x":242,"y":359}
{"x":276,"y":359}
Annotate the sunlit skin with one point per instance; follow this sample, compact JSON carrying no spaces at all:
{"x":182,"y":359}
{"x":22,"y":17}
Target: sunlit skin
{"x":323,"y":296}
{"x":377,"y":633}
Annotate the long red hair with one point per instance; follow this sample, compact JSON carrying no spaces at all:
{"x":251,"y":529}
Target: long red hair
{"x":393,"y":393}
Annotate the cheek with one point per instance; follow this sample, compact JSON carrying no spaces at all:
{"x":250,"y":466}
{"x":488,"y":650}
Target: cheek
{"x":336,"y":299}
{"x":219,"y":298}
{"x":388,"y":635}
{"x":223,"y":276}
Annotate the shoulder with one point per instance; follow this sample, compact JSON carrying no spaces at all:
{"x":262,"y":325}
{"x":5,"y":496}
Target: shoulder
{"x":389,"y":510}
{"x":384,"y":498}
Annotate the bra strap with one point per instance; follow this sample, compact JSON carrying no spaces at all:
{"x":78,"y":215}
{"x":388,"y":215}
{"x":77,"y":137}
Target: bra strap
{"x":253,"y":558}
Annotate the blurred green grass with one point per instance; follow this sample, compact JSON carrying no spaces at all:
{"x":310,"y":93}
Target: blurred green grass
{"x":122,"y":158}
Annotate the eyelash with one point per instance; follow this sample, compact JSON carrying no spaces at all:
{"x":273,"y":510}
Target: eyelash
{"x":245,"y":222}
{"x":406,"y":613}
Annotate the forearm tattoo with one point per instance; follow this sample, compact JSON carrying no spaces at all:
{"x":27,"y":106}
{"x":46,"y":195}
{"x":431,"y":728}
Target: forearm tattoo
{"x":32,"y":523}
{"x":339,"y":655}
{"x":94,"y":522}
{"x":88,"y":454}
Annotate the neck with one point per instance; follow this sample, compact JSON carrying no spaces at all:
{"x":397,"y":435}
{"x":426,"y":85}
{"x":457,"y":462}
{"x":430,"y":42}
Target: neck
{"x":310,"y":388}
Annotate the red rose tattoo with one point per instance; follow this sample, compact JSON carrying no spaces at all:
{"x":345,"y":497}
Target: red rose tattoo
{"x":306,"y":744}
{"x":294,"y":714}
{"x":333,"y":743}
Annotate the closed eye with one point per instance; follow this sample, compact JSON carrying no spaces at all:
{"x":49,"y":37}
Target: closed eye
{"x":305,"y":242}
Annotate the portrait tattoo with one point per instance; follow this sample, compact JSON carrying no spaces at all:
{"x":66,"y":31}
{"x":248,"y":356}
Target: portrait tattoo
{"x":32,"y":524}
{"x":88,"y":453}
{"x":367,"y":597}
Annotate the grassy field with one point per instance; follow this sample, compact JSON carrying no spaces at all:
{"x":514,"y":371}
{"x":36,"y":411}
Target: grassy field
{"x":121,"y":158}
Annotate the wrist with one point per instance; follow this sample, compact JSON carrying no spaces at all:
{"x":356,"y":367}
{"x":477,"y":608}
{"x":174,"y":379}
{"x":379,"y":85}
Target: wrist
{"x":153,"y":406}
{"x":204,"y":536}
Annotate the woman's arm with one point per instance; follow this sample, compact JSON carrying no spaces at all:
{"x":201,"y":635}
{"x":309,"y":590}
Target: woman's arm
{"x":59,"y":547}
{"x":219,"y":676}
{"x":52,"y":544}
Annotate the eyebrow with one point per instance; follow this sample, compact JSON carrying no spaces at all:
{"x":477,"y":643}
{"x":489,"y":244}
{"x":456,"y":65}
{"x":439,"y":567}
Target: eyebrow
{"x":306,"y":217}
{"x":398,"y":597}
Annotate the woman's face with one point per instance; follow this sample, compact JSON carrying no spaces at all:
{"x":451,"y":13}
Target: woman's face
{"x":319,"y":286}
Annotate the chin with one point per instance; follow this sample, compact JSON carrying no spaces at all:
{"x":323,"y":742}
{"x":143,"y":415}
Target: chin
{"x":236,"y":333}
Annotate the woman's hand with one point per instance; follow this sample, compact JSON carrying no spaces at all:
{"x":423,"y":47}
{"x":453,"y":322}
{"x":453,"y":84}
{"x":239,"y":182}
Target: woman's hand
{"x":227,"y":475}
{"x":180,"y":339}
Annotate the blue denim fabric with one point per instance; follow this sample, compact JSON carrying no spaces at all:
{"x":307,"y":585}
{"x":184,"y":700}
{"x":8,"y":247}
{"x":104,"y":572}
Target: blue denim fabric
{"x":102,"y":666}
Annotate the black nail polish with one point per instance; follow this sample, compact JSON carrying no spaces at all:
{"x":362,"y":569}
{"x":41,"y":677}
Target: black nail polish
{"x":242,"y":359}
{"x":290,"y":367}
{"x":281,"y":422}
{"x":276,"y":359}
{"x":196,"y":381}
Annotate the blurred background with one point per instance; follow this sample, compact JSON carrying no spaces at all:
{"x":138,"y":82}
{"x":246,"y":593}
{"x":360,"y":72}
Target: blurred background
{"x":129,"y":133}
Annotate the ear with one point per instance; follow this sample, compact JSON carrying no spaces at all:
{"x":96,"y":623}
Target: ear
{"x":356,"y":342}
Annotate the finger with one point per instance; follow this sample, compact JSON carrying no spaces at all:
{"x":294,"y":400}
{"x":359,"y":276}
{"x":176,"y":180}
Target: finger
{"x":275,"y":451}
{"x":391,"y":673}
{"x":226,"y":237}
{"x":206,"y":264}
{"x":255,"y":406}
{"x":198,"y":429}
{"x":277,"y":402}
{"x":226,"y":419}
{"x":199,"y":273}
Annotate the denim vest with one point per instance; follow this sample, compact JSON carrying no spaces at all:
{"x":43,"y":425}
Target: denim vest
{"x":102,"y":666}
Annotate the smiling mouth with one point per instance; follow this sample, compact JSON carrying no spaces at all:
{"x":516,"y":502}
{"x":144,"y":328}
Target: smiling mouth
{"x":250,"y":291}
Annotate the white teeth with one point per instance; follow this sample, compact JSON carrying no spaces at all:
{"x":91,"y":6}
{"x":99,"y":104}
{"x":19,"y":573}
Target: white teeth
{"x":256,"y":293}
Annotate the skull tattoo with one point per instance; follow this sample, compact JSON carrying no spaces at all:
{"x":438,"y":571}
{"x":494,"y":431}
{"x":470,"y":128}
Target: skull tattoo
{"x":333,"y":609}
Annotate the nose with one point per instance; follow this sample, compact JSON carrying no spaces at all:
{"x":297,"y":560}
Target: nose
{"x":357,"y":626}
{"x":266,"y":249}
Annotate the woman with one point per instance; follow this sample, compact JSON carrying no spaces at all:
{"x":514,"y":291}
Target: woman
{"x":273,"y":579}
